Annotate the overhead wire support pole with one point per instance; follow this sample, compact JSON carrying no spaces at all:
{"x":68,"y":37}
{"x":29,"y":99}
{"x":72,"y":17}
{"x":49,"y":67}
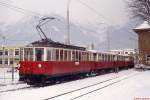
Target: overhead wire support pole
{"x":108,"y":39}
{"x":68,"y":22}
{"x":3,"y":56}
{"x":101,"y":16}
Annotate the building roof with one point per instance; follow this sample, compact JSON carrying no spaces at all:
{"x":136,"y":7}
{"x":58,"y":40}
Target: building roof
{"x":143,"y":26}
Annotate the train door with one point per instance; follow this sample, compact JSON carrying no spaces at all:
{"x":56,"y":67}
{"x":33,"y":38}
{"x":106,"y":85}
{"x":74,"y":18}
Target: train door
{"x":39,"y":54}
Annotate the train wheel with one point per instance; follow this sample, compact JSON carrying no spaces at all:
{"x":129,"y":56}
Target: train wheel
{"x":28,"y":81}
{"x":116,"y":70}
{"x":43,"y":81}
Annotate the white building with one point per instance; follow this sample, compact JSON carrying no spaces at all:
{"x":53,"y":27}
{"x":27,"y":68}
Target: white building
{"x":9,"y":56}
{"x":123,"y":51}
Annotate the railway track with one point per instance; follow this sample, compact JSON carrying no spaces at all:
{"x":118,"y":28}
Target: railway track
{"x":14,"y":87}
{"x":90,"y":88}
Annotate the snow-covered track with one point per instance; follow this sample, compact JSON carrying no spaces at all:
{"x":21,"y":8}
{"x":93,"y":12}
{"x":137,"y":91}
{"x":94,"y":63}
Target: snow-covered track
{"x":77,"y":93}
{"x":14,"y":89}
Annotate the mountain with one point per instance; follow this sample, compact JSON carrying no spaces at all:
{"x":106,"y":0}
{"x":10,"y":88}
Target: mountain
{"x":23,"y":32}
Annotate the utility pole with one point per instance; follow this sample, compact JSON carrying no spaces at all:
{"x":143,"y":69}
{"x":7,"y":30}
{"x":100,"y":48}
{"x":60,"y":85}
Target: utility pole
{"x":68,"y":23}
{"x":13,"y":66}
{"x":108,"y":39}
{"x":107,"y":28}
{"x":3,"y":56}
{"x":3,"y":61}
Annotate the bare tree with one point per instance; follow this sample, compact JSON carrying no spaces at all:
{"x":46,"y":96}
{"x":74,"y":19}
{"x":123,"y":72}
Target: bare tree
{"x":140,"y":8}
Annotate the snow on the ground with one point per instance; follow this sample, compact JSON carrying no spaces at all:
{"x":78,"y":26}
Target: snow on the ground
{"x":137,"y":86}
{"x":130,"y":89}
{"x":6,"y":76}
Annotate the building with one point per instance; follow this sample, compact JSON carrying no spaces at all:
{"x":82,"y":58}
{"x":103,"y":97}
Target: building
{"x":123,"y":51}
{"x":9,"y":56}
{"x":143,"y":32}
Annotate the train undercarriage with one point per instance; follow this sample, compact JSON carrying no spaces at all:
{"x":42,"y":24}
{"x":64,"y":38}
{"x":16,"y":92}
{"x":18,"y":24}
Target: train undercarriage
{"x":42,"y":80}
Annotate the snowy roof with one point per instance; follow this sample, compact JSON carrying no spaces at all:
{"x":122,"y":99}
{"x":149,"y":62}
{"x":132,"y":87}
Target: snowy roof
{"x":144,"y":25}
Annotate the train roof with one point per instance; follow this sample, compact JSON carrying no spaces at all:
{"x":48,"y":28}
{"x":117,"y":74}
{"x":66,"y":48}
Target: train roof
{"x":50,"y":43}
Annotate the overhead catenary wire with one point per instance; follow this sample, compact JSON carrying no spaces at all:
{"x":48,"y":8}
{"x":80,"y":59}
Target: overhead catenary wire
{"x":31,"y":13}
{"x":94,"y":11}
{"x":19,"y":9}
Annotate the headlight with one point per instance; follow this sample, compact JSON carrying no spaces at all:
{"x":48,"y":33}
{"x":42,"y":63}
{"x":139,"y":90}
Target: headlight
{"x":39,"y":65}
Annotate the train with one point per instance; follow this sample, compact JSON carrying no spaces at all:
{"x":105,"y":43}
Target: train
{"x":46,"y":60}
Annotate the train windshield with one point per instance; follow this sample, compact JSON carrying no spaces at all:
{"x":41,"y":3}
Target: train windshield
{"x":34,"y":54}
{"x":28,"y":54}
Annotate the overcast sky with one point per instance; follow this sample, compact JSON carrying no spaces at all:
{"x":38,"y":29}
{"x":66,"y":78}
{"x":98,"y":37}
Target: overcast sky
{"x":113,"y":11}
{"x":83,"y":12}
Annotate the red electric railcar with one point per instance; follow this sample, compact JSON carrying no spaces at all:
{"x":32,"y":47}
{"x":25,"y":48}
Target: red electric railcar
{"x":48,"y":60}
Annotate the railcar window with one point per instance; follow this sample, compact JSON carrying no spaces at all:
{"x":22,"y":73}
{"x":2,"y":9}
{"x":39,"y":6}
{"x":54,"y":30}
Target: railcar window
{"x":90,"y":58}
{"x":108,"y":57}
{"x":94,"y":56}
{"x":57,"y":55}
{"x":85,"y":56}
{"x":65,"y":55}
{"x":77,"y":56}
{"x":102,"y":57}
{"x":117,"y":58}
{"x":69,"y":55}
{"x":61,"y":55}
{"x":113,"y":58}
{"x":28,"y":54}
{"x":105,"y":57}
{"x":48,"y":54}
{"x":73,"y":56}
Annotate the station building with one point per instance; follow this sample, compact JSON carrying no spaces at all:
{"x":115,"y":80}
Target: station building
{"x":143,"y":32}
{"x":9,"y":56}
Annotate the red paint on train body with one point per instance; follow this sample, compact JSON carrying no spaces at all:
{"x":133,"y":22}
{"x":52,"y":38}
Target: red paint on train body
{"x":52,"y":68}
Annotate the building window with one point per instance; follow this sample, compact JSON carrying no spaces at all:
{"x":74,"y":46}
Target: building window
{"x":6,"y":52}
{"x":11,"y":52}
{"x":1,"y":62}
{"x":148,"y":58}
{"x":6,"y":61}
{"x":131,"y":52}
{"x":1,"y":53}
{"x":16,"y":53}
{"x":126,"y":52}
{"x":11,"y":61}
